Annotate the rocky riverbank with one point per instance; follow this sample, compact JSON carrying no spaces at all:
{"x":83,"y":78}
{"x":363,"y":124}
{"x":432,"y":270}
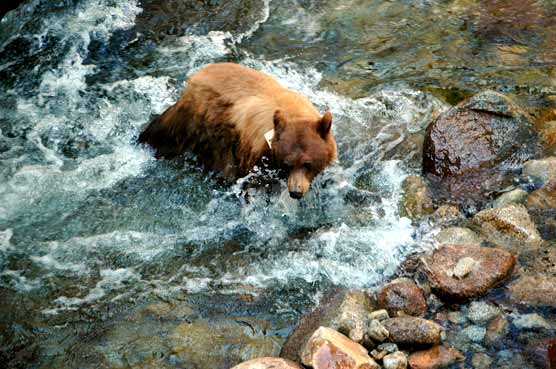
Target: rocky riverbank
{"x":485,"y":297}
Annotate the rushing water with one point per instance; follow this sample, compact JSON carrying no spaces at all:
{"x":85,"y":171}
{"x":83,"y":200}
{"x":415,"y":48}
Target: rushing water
{"x":92,"y":227}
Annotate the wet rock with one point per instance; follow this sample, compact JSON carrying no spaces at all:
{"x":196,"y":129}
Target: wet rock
{"x":413,"y":331}
{"x":268,"y":363}
{"x":543,"y":198}
{"x":379,"y":315}
{"x":481,"y":361}
{"x":516,"y":196}
{"x":534,"y":290}
{"x":377,"y":331}
{"x":416,"y":200}
{"x":457,"y":236}
{"x":396,"y":360}
{"x":497,"y":329}
{"x":387,"y":347}
{"x":402,"y":295}
{"x":463,"y":267}
{"x":510,"y":225}
{"x":482,"y":312}
{"x":477,"y":139}
{"x":531,"y":321}
{"x":330,"y":349}
{"x":457,"y":317}
{"x":541,"y":171}
{"x":447,"y":215}
{"x":543,"y":353}
{"x":434,"y":358}
{"x":221,"y":344}
{"x":343,"y":310}
{"x":493,"y":266}
{"x":474,"y":333}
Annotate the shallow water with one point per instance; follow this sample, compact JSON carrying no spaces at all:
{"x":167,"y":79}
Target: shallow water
{"x":92,"y":228}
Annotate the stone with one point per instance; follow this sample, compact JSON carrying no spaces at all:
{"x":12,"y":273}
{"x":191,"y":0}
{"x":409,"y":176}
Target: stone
{"x":402,"y":295}
{"x":463,"y":267}
{"x":379,"y":315}
{"x":471,"y":145}
{"x":540,"y":170}
{"x":330,"y":349}
{"x":388,"y":347}
{"x":531,"y":321}
{"x":377,"y":331}
{"x":413,"y":331}
{"x":497,"y":329}
{"x":481,"y":312}
{"x":474,"y":333}
{"x":434,"y":358}
{"x":481,"y":361}
{"x":341,"y":309}
{"x":536,"y":290}
{"x":510,"y":225}
{"x":396,"y":360}
{"x":222,"y":343}
{"x":457,"y":236}
{"x":544,"y":198}
{"x":268,"y":363}
{"x":493,"y":266}
{"x":517,"y":196}
{"x":447,"y":215}
{"x":416,"y":200}
{"x":378,"y":355}
{"x":543,"y":353}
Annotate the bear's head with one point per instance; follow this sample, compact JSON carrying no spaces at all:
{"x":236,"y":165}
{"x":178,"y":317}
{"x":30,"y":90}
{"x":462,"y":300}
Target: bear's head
{"x":303,"y":148}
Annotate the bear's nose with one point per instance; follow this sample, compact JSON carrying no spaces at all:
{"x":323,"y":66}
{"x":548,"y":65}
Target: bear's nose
{"x":296,"y":194}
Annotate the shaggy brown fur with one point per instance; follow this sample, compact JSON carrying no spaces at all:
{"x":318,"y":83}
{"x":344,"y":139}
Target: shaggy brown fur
{"x":223,"y":115}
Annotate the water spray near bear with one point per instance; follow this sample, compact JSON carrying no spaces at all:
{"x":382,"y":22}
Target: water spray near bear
{"x":232,"y":117}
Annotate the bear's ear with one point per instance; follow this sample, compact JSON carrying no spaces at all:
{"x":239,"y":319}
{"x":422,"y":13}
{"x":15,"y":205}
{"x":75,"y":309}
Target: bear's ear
{"x":325,"y":124}
{"x":279,"y":121}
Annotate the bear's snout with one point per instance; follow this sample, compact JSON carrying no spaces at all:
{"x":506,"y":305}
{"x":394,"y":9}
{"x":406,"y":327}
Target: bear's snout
{"x":298,"y":183}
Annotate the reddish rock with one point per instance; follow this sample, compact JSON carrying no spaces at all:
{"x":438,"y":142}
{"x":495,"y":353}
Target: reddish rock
{"x":496,"y":330}
{"x":402,"y":295}
{"x":329,"y":349}
{"x":543,"y":353}
{"x":413,"y":331}
{"x":268,"y":363}
{"x":492,"y":266}
{"x":537,"y":290}
{"x":436,"y":357}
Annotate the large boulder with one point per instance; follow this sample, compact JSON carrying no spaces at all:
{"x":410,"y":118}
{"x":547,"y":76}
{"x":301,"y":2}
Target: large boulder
{"x":488,"y":268}
{"x":469,"y":148}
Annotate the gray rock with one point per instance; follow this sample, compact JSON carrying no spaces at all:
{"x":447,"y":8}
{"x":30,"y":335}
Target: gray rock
{"x":388,"y":347}
{"x":531,"y":321}
{"x":481,"y":361}
{"x":377,"y":331}
{"x":457,"y":236}
{"x":541,"y":170}
{"x":463,"y":267}
{"x":516,"y":196}
{"x":497,"y":329}
{"x":538,"y":290}
{"x":379,"y":315}
{"x":416,"y":201}
{"x":475,"y":333}
{"x":396,"y":360}
{"x":481,"y":312}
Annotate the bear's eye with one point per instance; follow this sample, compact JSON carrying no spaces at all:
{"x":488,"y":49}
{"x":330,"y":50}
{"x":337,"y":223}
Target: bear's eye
{"x":307,"y":165}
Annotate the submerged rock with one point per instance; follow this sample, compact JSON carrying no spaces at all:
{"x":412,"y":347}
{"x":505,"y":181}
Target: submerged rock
{"x":482,"y":312}
{"x":531,"y":321}
{"x":434,"y":358}
{"x":481,"y":361}
{"x":396,"y":360}
{"x":457,"y":236}
{"x":475,"y":143}
{"x":447,"y":215}
{"x":544,"y":198}
{"x":329,"y":349}
{"x":402,"y":295}
{"x":413,"y":331}
{"x":492,"y":266}
{"x":541,"y":170}
{"x":543,"y":353}
{"x":517,"y":196}
{"x":268,"y":363}
{"x":534,"y":290}
{"x":510,"y":225}
{"x":497,"y":329}
{"x":343,"y":310}
{"x":416,"y":200}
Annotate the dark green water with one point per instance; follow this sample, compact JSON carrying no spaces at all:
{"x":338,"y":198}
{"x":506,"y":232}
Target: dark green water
{"x":94,"y":231}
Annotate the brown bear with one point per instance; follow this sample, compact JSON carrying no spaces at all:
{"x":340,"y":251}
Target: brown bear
{"x":232,"y":116}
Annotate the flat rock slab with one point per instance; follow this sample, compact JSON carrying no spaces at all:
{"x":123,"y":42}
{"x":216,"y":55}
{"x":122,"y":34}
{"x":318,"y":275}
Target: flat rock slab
{"x":492,"y":266}
{"x":509,"y":225}
{"x":436,"y":357}
{"x":413,"y":331}
{"x":329,"y":349}
{"x":268,"y":363}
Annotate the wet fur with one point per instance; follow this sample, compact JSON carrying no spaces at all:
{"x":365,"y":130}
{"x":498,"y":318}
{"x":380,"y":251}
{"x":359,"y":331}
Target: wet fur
{"x":222,"y":117}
